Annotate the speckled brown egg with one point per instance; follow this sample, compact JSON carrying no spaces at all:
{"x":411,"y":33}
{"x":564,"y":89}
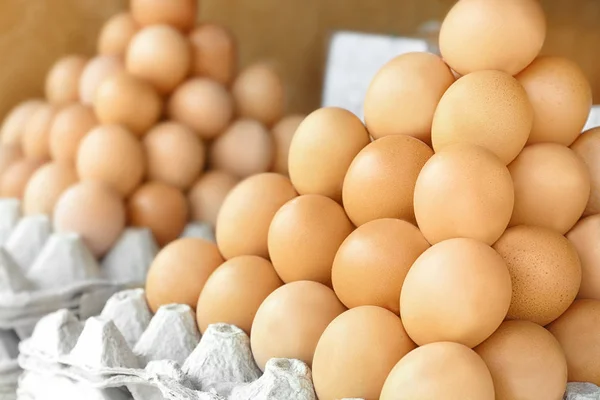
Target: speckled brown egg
{"x":380,"y":182}
{"x":545,"y":271}
{"x":585,"y":236}
{"x":9,"y":154}
{"x":180,"y":14}
{"x":356,"y":365}
{"x":179,"y":272}
{"x":93,"y":210}
{"x":113,"y":155}
{"x":234,"y":291}
{"x":296,"y":314}
{"x":464,"y":191}
{"x":175,"y":155}
{"x":45,"y":187}
{"x":561,"y":97}
{"x":487,"y":108}
{"x":442,"y":370}
{"x":96,"y":70}
{"x":160,"y":207}
{"x":305,"y":235}
{"x":129,"y":101}
{"x":161,"y":55}
{"x":243,"y":221}
{"x":324,"y":145}
{"x":259,"y":94}
{"x":283,"y":132}
{"x":214,"y":53}
{"x":244,"y":149}
{"x":587,"y":147}
{"x":35,"y":141}
{"x":15,"y":121}
{"x":62,"y":81}
{"x":116,"y":34}
{"x":202,"y":104}
{"x":552,"y":187}
{"x":458,"y":290}
{"x":403,"y":96}
{"x":577,"y":332}
{"x":68,"y":128}
{"x":525,"y":361}
{"x":371,"y":264}
{"x":208,"y":194}
{"x":15,"y":178}
{"x":503,"y":35}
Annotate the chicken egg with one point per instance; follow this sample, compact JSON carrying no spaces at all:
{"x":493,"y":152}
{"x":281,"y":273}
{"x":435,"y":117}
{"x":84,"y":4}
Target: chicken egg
{"x":214,"y":53}
{"x":93,"y":210}
{"x":98,"y":69}
{"x":62,"y":82}
{"x":14,"y":179}
{"x":35,"y":140}
{"x":296,"y":314}
{"x":587,"y":147}
{"x":175,"y":154}
{"x":116,"y":35}
{"x":208,"y":194}
{"x":160,"y":207}
{"x":283,"y":132}
{"x":585,"y":236}
{"x":180,"y":14}
{"x":545,"y":271}
{"x":380,"y":182}
{"x":16,"y":120}
{"x":179,"y":272}
{"x":458,"y":290}
{"x":68,"y":128}
{"x":45,"y":187}
{"x":244,"y":149}
{"x":234,"y":291}
{"x":9,"y":154}
{"x":357,"y":364}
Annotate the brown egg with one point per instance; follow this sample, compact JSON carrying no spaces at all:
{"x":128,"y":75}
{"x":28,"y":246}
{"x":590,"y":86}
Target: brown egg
{"x":68,"y":128}
{"x":442,"y":370}
{"x":94,"y":211}
{"x":62,"y":81}
{"x":525,"y":361}
{"x":244,"y":218}
{"x":46,"y":186}
{"x":585,"y":236}
{"x":304,"y":236}
{"x":577,"y":332}
{"x":116,"y":34}
{"x":234,"y":292}
{"x":161,"y":55}
{"x":244,"y":149}
{"x":371,"y":264}
{"x":180,"y":14}
{"x":489,"y":109}
{"x":14,"y":123}
{"x":403,"y":96}
{"x":458,"y":290}
{"x":9,"y":154}
{"x":179,"y":272}
{"x":113,"y":155}
{"x":283,"y":132}
{"x":202,"y":104}
{"x":587,"y":146}
{"x":380,"y":182}
{"x":160,"y":207}
{"x":35,"y":140}
{"x":464,"y":191}
{"x":98,"y":69}
{"x":545,"y":272}
{"x":296,"y":314}
{"x":322,"y":149}
{"x":126,"y":100}
{"x":214,"y":53}
{"x":175,"y":155}
{"x":15,"y":178}
{"x":503,"y":35}
{"x":552,"y":187}
{"x":561,"y":97}
{"x":208,"y":193}
{"x":356,"y":365}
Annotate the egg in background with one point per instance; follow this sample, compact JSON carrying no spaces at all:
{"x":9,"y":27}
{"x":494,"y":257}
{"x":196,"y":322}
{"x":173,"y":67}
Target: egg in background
{"x":68,"y":128}
{"x":208,"y":194}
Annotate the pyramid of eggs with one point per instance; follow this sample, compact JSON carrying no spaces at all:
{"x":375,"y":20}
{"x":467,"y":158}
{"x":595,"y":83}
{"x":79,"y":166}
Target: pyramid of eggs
{"x":152,"y":131}
{"x":448,"y":248}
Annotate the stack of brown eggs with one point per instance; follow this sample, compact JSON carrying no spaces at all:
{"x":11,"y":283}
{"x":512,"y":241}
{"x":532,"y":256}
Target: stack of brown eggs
{"x":422,"y":256}
{"x":153,"y":131}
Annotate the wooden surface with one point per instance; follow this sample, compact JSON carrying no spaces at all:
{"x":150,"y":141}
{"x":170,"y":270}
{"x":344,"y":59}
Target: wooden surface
{"x":293,"y":33}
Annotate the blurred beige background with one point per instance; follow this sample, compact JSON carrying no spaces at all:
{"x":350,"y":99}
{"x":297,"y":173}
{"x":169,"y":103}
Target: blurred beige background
{"x":293,"y":33}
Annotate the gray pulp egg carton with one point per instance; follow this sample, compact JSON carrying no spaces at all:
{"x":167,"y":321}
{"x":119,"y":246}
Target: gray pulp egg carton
{"x":128,"y":353}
